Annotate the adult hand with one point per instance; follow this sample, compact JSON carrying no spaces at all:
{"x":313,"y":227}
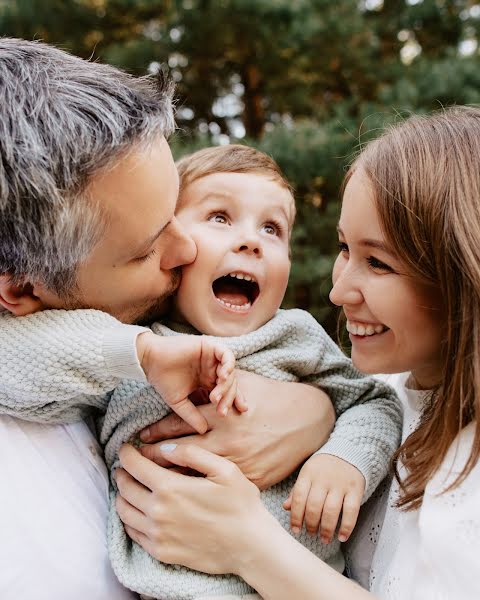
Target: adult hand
{"x":217,"y":524}
{"x":172,"y":508}
{"x":285,"y":424}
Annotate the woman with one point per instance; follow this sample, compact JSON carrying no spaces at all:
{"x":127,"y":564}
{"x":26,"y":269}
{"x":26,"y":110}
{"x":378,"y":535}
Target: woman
{"x":409,"y":264}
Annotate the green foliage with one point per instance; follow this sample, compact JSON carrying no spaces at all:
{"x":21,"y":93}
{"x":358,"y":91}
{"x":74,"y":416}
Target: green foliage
{"x":307,"y":81}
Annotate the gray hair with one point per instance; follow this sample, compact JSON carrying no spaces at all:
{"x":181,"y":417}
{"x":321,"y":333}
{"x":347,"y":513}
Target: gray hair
{"x":62,"y":120}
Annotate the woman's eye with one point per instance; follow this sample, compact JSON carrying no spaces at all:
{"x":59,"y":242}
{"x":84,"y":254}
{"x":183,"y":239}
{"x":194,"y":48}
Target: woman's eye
{"x":342,"y":247}
{"x":378,"y":264}
{"x":218,"y":218}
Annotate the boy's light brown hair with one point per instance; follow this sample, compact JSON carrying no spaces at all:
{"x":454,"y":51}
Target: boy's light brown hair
{"x":232,"y":158}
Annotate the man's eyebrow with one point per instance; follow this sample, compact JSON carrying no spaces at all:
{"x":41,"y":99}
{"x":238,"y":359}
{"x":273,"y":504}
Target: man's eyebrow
{"x":372,"y":243}
{"x":147,"y":243}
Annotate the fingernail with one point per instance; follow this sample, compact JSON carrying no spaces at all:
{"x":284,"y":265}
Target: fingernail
{"x":168,"y":447}
{"x":145,"y":434}
{"x":295,"y":530}
{"x":325,"y":539}
{"x":342,"y":537}
{"x":224,"y":411}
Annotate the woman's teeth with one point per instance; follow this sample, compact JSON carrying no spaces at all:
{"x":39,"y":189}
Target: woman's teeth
{"x":364,"y":330}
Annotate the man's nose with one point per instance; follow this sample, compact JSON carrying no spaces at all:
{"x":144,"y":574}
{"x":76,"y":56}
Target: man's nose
{"x":345,"y":288}
{"x":181,"y":248}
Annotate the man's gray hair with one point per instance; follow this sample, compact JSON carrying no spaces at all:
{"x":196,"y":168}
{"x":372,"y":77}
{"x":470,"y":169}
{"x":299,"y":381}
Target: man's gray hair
{"x":62,"y":120}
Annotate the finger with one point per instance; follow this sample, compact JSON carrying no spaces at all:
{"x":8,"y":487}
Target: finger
{"x":350,"y":510}
{"x":133,"y":492}
{"x":172,"y":426}
{"x":142,"y":470}
{"x":144,"y":541}
{"x":129,"y":515}
{"x":240,"y":401}
{"x":314,"y":508}
{"x":300,"y":493}
{"x":191,"y":414}
{"x":288,"y":502}
{"x":331,"y":511}
{"x":187,"y":455}
{"x":228,"y":396}
{"x":158,"y":456}
{"x":226,"y":359}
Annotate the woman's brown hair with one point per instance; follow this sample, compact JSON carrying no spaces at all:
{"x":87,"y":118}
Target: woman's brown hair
{"x":425,"y":176}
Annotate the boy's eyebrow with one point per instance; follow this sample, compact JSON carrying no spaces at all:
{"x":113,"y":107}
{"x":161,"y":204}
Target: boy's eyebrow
{"x":371,"y":243}
{"x":227,"y":196}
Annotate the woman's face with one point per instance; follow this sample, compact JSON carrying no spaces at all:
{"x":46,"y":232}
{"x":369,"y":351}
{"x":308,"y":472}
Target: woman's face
{"x":395,"y":323}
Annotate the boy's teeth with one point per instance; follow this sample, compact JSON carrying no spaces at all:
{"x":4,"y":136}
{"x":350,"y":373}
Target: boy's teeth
{"x":365,"y":330}
{"x":239,"y":308}
{"x":241,"y":276}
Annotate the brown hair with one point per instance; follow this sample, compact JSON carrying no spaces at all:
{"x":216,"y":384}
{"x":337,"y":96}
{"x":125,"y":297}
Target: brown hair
{"x":425,"y":176}
{"x":231,"y":158}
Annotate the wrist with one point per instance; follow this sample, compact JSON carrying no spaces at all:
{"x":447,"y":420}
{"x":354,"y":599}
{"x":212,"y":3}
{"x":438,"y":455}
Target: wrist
{"x":148,"y":345}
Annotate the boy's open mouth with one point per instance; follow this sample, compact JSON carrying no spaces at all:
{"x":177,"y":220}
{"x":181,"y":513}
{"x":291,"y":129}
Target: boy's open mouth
{"x":237,"y":291}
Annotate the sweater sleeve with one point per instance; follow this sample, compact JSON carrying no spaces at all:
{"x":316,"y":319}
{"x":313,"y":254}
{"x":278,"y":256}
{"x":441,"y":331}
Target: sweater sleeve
{"x":56,"y":364}
{"x":369,"y":414}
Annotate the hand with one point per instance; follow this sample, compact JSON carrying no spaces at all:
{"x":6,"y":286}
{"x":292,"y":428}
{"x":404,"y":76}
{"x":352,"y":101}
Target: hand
{"x":172,"y":508}
{"x":178,"y":365}
{"x":285,"y":423}
{"x":326,"y":486}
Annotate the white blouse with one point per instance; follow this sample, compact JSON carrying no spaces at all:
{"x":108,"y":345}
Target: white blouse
{"x":432,"y":553}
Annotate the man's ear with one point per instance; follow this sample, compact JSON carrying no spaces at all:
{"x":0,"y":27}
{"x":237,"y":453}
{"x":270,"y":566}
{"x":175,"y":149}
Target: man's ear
{"x":19,"y":299}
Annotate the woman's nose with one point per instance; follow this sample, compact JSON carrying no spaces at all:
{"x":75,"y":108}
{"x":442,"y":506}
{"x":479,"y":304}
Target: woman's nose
{"x":345,"y":288}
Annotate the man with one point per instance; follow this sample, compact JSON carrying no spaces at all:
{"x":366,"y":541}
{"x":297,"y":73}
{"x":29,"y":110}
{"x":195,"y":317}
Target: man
{"x":87,"y":197}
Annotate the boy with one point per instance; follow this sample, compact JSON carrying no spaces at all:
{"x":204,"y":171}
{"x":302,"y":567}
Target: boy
{"x":239,"y":210}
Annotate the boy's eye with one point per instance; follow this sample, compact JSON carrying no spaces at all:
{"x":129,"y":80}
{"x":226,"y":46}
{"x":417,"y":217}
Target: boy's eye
{"x":270,"y":228}
{"x":218,"y":218}
{"x":273,"y":228}
{"x":378,"y":264}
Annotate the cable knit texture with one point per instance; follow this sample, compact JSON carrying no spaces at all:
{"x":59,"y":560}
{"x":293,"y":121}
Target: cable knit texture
{"x":58,"y":366}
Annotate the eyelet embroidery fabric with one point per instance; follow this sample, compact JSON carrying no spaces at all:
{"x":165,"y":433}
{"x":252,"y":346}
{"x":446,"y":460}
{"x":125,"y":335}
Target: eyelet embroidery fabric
{"x":432,"y":553}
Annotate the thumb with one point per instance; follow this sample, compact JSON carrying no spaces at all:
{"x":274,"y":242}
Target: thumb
{"x":187,"y":455}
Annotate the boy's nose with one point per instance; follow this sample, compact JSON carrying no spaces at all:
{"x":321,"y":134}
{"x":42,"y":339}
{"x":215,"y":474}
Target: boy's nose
{"x":250,"y":244}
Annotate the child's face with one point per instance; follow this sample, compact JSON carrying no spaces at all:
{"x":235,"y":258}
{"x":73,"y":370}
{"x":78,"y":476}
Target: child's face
{"x":395,"y":323}
{"x":240,"y":223}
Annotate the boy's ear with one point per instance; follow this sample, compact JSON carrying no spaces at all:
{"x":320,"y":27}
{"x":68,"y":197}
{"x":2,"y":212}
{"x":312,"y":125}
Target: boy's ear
{"x":19,"y":299}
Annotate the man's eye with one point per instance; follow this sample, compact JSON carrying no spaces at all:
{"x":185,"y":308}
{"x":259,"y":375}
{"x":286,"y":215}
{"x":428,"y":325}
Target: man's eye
{"x":147,"y":256}
{"x":218,"y":218}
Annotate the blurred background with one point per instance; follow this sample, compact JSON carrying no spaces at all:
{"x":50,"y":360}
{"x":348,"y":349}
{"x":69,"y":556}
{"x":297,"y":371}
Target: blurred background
{"x":307,"y":81}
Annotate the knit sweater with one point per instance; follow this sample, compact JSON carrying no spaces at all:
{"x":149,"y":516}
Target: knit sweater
{"x":290,"y":347}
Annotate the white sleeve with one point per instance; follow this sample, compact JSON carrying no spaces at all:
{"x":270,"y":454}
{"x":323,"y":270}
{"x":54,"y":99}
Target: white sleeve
{"x":449,"y":523}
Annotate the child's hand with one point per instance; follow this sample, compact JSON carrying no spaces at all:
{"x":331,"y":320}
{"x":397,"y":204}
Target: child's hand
{"x":178,"y":365}
{"x":326,"y":486}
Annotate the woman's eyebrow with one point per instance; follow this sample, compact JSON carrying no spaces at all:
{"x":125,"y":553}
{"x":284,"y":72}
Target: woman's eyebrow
{"x":372,"y":243}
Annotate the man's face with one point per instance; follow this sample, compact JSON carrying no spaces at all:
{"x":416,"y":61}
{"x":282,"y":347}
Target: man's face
{"x":132,"y":270}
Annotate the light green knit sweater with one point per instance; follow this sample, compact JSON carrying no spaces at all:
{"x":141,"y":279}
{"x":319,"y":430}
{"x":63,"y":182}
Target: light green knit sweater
{"x":59,"y":365}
